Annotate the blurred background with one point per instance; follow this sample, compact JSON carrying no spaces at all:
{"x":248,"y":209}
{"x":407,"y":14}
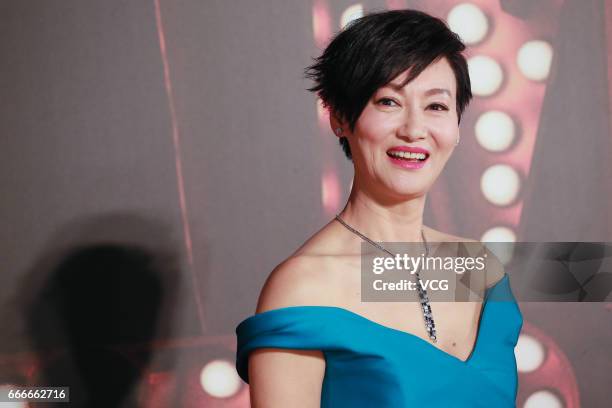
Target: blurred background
{"x":160,"y":158}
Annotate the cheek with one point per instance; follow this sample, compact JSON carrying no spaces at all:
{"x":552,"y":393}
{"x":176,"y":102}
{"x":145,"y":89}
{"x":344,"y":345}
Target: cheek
{"x":446,"y":135}
{"x":373,"y":126}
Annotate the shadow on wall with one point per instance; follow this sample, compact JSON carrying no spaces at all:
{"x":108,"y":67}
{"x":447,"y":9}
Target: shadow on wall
{"x":106,"y":285}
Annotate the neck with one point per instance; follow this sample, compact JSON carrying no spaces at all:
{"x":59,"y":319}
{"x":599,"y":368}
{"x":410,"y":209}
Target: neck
{"x":389,"y":220}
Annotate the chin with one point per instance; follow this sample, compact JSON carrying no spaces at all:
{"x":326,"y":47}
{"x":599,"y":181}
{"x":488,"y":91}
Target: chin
{"x":410,"y":192}
{"x":411,"y":185}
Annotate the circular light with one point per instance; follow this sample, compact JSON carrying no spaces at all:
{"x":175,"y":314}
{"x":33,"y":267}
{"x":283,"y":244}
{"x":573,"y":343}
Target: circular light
{"x":543,"y":399}
{"x":500,"y":242}
{"x":500,"y":184}
{"x":485,"y":74}
{"x":498,"y":234}
{"x":220,"y":379}
{"x":469,"y":22}
{"x":534,"y":59}
{"x":495,"y":131}
{"x":529,"y":353}
{"x":351,"y":13}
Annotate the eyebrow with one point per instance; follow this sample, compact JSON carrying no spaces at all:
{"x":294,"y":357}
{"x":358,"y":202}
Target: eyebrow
{"x":429,"y":92}
{"x":436,"y":91}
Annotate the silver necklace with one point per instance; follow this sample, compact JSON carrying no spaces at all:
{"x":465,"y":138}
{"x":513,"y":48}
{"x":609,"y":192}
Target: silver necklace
{"x":430,"y":326}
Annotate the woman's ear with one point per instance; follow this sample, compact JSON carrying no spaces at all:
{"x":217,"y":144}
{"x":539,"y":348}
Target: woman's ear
{"x":336,"y":124}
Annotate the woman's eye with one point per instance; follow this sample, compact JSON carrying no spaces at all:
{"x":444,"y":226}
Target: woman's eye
{"x":438,"y":107}
{"x":387,"y":102}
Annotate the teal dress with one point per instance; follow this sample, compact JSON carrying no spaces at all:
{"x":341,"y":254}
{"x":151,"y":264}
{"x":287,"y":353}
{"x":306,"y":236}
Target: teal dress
{"x":371,"y":365}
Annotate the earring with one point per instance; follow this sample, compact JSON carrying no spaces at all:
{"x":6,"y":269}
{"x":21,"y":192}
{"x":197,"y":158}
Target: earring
{"x":339,"y":131}
{"x":457,"y":142}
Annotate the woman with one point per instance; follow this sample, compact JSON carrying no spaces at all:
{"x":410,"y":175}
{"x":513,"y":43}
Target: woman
{"x":395,"y":84}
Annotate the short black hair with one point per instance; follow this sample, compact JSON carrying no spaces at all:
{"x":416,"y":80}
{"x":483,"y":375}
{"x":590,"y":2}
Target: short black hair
{"x":372,"y":50}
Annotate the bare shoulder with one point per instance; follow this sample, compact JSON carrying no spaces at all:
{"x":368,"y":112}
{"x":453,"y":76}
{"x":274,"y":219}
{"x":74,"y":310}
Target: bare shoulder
{"x":315,"y":274}
{"x":297,"y":281}
{"x":494,"y":267}
{"x":279,"y":376}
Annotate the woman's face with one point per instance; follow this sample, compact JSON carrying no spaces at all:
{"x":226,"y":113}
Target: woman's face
{"x":419,"y":120}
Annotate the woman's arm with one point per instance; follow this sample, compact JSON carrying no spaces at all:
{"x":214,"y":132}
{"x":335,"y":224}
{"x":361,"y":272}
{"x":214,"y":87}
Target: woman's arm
{"x":285,"y":377}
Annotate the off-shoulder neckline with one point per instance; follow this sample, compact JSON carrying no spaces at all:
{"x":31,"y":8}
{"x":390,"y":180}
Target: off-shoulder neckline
{"x":386,"y":328}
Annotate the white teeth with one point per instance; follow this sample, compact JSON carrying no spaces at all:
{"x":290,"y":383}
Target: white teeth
{"x":407,"y":155}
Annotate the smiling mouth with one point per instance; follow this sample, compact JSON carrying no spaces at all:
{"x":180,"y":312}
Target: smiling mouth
{"x":408,"y":156}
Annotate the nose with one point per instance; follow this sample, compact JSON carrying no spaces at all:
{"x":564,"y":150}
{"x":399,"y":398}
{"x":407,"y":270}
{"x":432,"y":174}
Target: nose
{"x":413,"y":127}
